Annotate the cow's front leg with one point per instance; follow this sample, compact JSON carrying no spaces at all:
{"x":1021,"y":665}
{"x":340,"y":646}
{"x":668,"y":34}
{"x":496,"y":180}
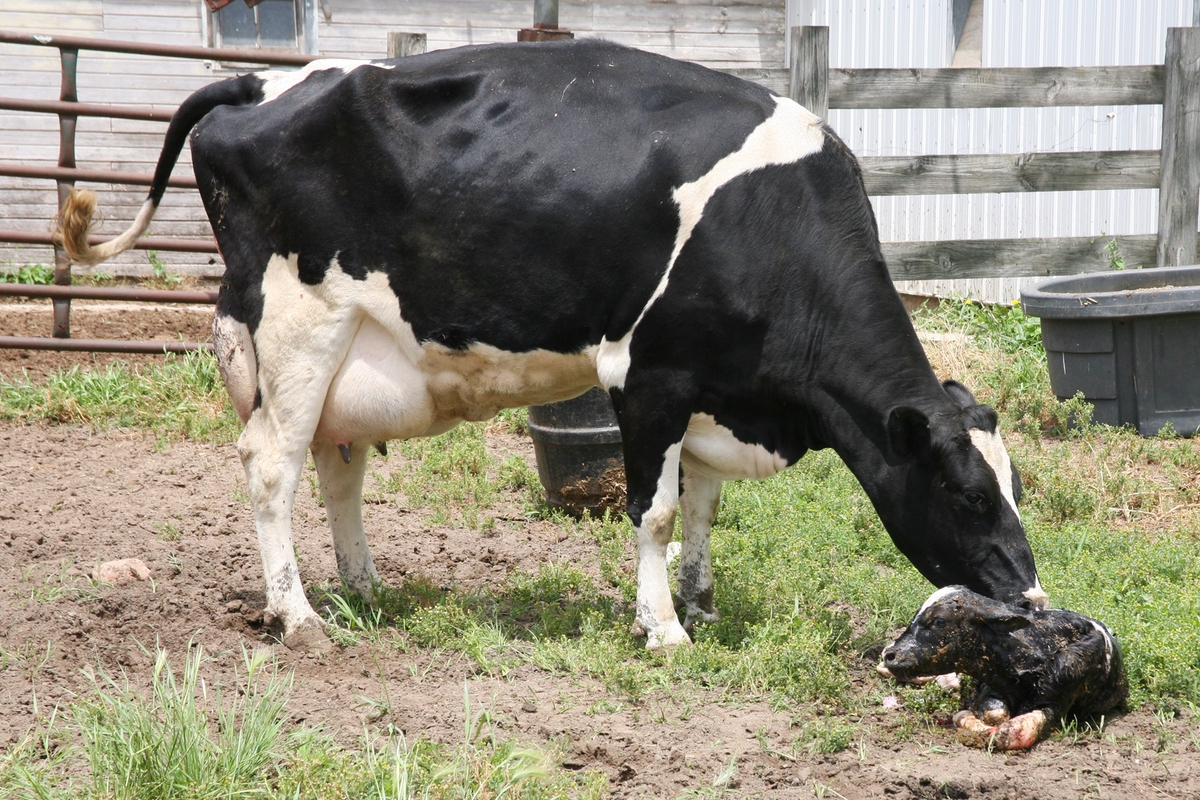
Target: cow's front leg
{"x":698,"y":506}
{"x":653,"y":516}
{"x":652,"y":431}
{"x":341,"y":486}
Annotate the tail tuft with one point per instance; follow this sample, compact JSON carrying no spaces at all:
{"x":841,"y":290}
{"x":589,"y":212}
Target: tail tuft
{"x":75,"y":221}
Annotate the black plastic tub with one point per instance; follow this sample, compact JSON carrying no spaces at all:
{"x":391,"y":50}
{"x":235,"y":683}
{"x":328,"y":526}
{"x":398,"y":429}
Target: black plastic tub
{"x":1129,"y":340}
{"x":578,"y":448}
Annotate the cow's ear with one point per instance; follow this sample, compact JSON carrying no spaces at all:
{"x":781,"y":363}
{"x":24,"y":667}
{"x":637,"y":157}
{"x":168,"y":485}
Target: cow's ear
{"x":959,"y":394}
{"x":1004,"y":619}
{"x":908,"y":432}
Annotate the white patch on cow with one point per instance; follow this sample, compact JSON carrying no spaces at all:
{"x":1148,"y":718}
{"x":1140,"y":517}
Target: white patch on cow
{"x":475,"y":383}
{"x":235,"y":359}
{"x":787,"y":136}
{"x":1039,"y":598}
{"x":714,"y":450}
{"x":991,"y":447}
{"x":937,"y":597}
{"x":278,"y":81}
{"x":1108,"y":642}
{"x":386,"y":384}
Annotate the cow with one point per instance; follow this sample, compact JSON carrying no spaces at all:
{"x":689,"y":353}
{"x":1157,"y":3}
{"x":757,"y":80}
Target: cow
{"x":1033,"y":666}
{"x":413,"y":243}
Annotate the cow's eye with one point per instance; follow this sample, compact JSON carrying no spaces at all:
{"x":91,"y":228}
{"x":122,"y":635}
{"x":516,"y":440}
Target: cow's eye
{"x":974,"y":498}
{"x":938,"y":622}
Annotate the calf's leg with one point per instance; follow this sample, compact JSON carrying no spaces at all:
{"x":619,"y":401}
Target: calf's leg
{"x":341,"y":486}
{"x":1019,"y":733}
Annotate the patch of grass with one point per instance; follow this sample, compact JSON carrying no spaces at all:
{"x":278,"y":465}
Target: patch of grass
{"x":32,"y":274}
{"x":450,"y":474}
{"x":182,"y":396}
{"x":166,"y":746}
{"x":187,"y":739}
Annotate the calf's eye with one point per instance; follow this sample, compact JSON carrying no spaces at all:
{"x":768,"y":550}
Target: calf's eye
{"x":938,"y":622}
{"x":974,"y":498}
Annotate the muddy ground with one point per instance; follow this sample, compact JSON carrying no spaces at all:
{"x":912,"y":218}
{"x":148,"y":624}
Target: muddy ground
{"x":71,"y":498}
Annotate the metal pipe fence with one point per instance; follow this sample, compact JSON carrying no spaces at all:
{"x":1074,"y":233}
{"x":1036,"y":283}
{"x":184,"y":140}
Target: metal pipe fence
{"x":68,"y":109}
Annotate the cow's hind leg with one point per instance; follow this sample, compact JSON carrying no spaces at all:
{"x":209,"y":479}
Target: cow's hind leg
{"x":274,"y":455}
{"x":698,"y":506}
{"x":341,"y":486}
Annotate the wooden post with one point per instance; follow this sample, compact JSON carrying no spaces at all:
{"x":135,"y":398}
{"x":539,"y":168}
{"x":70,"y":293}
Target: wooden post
{"x":810,"y":68}
{"x":402,"y":43}
{"x":1179,"y":194}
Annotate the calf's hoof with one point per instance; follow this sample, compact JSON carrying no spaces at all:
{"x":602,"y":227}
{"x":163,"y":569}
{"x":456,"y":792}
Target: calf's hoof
{"x":1018,"y":733}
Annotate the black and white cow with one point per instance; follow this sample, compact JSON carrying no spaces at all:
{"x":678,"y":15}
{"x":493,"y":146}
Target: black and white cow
{"x":417,"y":242}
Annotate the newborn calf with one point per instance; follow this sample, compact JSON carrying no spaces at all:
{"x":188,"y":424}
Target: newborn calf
{"x":1041,"y":664}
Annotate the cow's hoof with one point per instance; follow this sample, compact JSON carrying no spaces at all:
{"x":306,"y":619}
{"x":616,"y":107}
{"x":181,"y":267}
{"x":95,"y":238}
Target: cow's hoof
{"x":672,"y":636}
{"x":695,"y":615}
{"x":308,"y":637}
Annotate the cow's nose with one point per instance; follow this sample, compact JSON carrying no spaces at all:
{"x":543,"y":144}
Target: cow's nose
{"x":889,"y":656}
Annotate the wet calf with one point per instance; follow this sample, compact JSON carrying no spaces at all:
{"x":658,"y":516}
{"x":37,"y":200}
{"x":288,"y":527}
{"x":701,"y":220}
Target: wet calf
{"x":1041,"y":665}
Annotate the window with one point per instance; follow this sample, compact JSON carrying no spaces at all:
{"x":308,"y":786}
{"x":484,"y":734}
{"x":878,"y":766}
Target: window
{"x":267,"y":24}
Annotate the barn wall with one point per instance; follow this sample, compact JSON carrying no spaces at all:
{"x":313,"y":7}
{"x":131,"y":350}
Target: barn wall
{"x":743,"y":34}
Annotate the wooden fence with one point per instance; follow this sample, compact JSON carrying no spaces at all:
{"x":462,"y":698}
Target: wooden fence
{"x":1174,"y":169}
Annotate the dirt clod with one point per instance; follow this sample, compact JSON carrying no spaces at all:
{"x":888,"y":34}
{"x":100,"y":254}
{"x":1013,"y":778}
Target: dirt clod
{"x":123,"y":570}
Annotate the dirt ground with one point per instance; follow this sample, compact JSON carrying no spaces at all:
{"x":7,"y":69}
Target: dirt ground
{"x":71,"y":498}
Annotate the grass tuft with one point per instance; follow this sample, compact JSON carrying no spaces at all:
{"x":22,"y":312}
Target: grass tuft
{"x":182,"y":396}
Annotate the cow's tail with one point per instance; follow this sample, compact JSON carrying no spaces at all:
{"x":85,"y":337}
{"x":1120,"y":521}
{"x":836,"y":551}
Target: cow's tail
{"x":75,"y":218}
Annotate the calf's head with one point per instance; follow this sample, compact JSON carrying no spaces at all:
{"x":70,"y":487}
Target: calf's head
{"x":949,"y":634}
{"x":956,"y":514}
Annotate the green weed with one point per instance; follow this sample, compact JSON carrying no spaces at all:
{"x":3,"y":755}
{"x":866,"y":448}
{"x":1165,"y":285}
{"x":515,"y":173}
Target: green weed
{"x":35,"y":274}
{"x":161,"y":277}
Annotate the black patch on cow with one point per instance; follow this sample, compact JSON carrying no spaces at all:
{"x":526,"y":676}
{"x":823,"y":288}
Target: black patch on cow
{"x":427,"y":101}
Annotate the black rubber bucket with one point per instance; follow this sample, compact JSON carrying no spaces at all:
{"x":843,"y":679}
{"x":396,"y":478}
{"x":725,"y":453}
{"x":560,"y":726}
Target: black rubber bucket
{"x":1128,"y":340}
{"x":578,"y":448}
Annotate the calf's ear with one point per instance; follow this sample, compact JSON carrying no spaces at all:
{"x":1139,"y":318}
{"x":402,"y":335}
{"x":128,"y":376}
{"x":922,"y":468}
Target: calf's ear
{"x":908,"y":432}
{"x":1004,"y":619}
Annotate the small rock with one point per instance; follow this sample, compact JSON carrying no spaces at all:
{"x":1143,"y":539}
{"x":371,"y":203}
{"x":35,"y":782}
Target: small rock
{"x":124,"y":570}
{"x":233,"y":606}
{"x":528,"y":707}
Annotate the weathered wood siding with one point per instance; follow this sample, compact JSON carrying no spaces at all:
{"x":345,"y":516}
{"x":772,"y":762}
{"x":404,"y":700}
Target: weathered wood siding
{"x":747,"y":34}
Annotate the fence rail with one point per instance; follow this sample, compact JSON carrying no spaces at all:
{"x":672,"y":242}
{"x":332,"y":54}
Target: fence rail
{"x":1174,"y":170}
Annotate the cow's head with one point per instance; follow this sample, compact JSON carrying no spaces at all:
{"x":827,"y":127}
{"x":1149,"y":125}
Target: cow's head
{"x":948,"y":633}
{"x":958,"y":520}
